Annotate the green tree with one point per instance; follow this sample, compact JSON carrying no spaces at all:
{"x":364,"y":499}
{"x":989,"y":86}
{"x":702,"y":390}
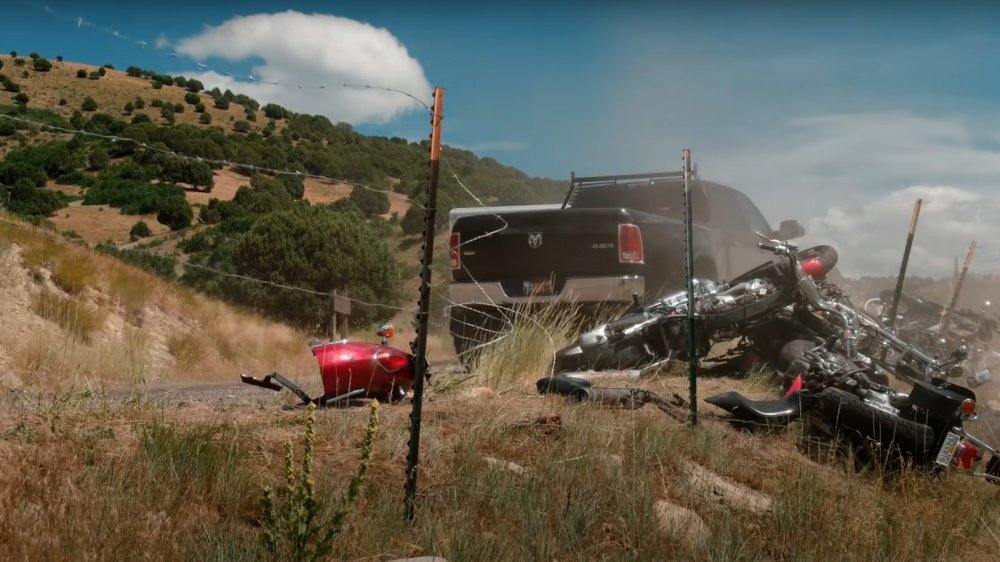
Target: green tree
{"x":175,"y":213}
{"x":167,"y":112}
{"x":26,"y":199}
{"x":33,"y":55}
{"x":241,"y":127}
{"x":195,"y":86}
{"x":95,"y":75}
{"x":199,"y":108}
{"x":205,"y":118}
{"x":178,"y":108}
{"x":11,"y":86}
{"x":192,"y":98}
{"x":7,"y":128}
{"x":222,"y":103}
{"x":157,"y":84}
{"x":139,"y":231}
{"x":140,"y":103}
{"x":98,"y":158}
{"x":81,"y":73}
{"x":134,"y":71}
{"x":129,"y":108}
{"x":89,"y":104}
{"x":59,"y":58}
{"x":275,"y":111}
{"x":41,"y":65}
{"x":319,"y":248}
{"x":101,"y":71}
{"x":22,"y":100}
{"x":19,"y":62}
{"x":192,"y":172}
{"x":141,"y":118}
{"x":77,"y":121}
{"x":369,"y":201}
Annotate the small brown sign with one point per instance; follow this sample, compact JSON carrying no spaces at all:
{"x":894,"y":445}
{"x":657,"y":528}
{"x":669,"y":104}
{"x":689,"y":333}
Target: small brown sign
{"x":342,"y":305}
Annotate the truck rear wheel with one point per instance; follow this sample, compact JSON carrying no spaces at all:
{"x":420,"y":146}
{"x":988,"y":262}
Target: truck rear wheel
{"x":471,"y":328}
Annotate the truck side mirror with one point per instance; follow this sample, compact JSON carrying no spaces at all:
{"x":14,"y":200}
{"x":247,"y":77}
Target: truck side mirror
{"x":789,"y":230}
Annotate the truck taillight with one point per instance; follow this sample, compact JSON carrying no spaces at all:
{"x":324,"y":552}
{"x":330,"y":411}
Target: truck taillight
{"x":454,"y":241}
{"x":629,"y":244}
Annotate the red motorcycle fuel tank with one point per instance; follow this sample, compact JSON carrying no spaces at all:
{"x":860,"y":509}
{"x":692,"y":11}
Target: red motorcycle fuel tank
{"x":385,"y":373}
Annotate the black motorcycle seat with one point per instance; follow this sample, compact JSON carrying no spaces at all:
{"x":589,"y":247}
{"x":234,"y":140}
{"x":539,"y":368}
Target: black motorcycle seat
{"x":780,"y":411}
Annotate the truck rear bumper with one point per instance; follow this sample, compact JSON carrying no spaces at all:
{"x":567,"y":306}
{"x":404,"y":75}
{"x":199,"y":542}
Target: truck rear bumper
{"x":580,"y":290}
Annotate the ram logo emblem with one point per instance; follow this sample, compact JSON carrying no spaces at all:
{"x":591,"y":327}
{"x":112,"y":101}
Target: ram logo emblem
{"x":535,"y":240}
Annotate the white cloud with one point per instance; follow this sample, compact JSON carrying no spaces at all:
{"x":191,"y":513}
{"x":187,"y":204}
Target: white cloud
{"x":314,"y":49}
{"x":852,"y":179}
{"x":870,"y":236}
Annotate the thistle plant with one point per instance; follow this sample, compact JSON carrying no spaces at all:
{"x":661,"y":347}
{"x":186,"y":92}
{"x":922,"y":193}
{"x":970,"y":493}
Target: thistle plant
{"x":296,"y":530}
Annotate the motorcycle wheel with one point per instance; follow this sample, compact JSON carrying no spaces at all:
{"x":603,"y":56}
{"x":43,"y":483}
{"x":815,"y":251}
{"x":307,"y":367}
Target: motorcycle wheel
{"x":845,"y":410}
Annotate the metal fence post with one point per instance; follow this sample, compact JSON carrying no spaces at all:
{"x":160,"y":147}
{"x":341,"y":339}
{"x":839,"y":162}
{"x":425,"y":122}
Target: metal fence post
{"x":423,"y":308}
{"x":689,"y":280}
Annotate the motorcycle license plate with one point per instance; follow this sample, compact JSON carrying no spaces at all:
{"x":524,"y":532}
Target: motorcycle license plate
{"x":947,"y":451}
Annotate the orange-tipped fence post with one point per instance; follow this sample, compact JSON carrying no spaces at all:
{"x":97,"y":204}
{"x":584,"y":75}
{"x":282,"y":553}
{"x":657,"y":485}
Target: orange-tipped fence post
{"x":906,"y":260}
{"x":423,"y":308}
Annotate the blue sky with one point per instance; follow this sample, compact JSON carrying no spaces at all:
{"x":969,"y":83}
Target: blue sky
{"x":821,"y":114}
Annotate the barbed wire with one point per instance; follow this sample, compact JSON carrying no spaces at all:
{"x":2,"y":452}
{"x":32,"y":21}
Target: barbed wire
{"x":220,"y":162}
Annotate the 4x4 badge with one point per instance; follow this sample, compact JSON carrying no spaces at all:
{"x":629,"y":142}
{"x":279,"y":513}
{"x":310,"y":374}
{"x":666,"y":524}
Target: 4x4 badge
{"x":535,"y":239}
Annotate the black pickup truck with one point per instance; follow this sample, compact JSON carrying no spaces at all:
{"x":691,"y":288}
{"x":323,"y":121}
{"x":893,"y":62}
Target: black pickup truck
{"x":611,"y":237}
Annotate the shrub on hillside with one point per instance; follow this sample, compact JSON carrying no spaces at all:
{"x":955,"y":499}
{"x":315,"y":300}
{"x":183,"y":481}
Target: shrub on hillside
{"x":221,"y":103}
{"x":26,"y":199}
{"x":98,"y":158}
{"x":192,"y":98}
{"x":89,"y":104}
{"x":205,"y":118}
{"x":370,"y":202}
{"x":162,"y":265}
{"x":175,"y":213}
{"x":41,"y":65}
{"x":320,"y":248}
{"x":81,"y":73}
{"x":141,"y":118}
{"x":139,"y":231}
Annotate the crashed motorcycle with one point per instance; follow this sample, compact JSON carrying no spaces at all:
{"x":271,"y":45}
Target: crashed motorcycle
{"x":919,"y":321}
{"x":923,"y":428}
{"x":651,"y":337}
{"x":352,"y":370}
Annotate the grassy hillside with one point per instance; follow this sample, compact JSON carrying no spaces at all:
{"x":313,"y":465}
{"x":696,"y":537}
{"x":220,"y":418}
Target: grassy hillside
{"x":77,"y":318}
{"x":205,"y":192}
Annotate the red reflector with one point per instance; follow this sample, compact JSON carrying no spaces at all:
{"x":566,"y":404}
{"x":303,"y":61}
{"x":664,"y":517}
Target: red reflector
{"x":629,"y":244}
{"x":968,"y":407}
{"x":965,"y":455}
{"x":454,"y":241}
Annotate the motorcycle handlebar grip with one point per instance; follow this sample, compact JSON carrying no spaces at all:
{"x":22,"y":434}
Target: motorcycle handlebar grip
{"x":768,"y":247}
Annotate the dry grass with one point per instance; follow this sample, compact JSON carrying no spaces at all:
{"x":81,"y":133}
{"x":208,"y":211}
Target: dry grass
{"x":114,"y":479}
{"x":146,"y":319}
{"x":99,"y":223}
{"x":528,"y":349}
{"x":79,"y":321}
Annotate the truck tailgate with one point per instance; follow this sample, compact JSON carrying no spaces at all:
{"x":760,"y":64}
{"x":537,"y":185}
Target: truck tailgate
{"x":540,"y":245}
